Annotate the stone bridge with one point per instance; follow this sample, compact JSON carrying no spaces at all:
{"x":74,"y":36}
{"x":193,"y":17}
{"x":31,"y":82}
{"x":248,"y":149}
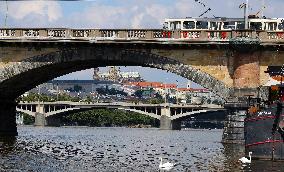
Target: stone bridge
{"x":231,"y":64}
{"x":170,"y":115}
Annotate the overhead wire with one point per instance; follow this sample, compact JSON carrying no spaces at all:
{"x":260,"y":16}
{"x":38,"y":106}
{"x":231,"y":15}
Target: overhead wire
{"x":205,"y":6}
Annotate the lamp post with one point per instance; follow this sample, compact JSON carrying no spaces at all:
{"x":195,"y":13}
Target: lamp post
{"x":246,"y":14}
{"x":165,"y":94}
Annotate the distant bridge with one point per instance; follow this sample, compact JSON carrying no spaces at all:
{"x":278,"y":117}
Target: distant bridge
{"x":168,"y":114}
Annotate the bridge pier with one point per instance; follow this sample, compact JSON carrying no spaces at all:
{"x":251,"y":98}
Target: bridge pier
{"x":234,"y":125}
{"x":8,"y":126}
{"x":40,"y":120}
{"x":166,"y":123}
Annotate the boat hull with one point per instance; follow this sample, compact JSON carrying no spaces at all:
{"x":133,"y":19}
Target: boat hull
{"x":260,"y":140}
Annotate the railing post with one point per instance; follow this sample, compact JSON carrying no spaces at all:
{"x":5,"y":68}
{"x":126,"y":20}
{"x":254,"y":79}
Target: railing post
{"x":18,"y":33}
{"x":43,"y":33}
{"x":263,"y":36}
{"x":149,"y":34}
{"x":254,"y":34}
{"x":203,"y":35}
{"x":122,"y":34}
{"x":177,"y":34}
{"x":97,"y":33}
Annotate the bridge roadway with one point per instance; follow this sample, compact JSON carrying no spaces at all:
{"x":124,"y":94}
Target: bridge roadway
{"x":170,"y":115}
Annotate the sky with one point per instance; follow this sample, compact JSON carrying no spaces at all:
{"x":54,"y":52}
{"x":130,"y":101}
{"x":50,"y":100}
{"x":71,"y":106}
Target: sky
{"x":123,"y":14}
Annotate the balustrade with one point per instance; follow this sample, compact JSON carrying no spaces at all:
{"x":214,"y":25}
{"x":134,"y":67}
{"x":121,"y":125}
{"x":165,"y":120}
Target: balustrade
{"x":136,"y":34}
{"x":275,"y":35}
{"x":7,"y":33}
{"x":202,"y":35}
{"x":221,"y":35}
{"x":162,"y":34}
{"x":109,"y":33}
{"x":31,"y":33}
{"x":56,"y":33}
{"x":81,"y":33}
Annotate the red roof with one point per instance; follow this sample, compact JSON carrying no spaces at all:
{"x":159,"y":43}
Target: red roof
{"x":153,"y":84}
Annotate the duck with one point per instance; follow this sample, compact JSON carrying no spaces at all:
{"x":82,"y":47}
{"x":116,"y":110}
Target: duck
{"x":244,"y":160}
{"x":166,"y":166}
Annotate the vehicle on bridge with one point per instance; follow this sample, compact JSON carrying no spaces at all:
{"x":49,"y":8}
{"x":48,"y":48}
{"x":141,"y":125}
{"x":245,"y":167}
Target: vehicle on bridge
{"x":223,"y":24}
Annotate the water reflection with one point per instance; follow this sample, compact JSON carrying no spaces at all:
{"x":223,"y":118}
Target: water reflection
{"x":121,"y":149}
{"x":7,"y":145}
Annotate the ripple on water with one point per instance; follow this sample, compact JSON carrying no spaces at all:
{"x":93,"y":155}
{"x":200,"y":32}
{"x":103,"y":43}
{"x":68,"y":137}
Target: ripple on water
{"x":120,"y":149}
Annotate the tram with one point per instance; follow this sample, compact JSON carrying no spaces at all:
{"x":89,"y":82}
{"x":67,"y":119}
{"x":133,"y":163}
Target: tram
{"x":222,"y":23}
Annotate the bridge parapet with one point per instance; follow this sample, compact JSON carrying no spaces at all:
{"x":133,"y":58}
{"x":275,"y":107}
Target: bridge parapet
{"x":52,"y":34}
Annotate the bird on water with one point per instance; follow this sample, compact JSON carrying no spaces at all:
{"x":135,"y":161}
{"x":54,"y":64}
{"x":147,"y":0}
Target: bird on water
{"x":244,"y":160}
{"x":165,"y":166}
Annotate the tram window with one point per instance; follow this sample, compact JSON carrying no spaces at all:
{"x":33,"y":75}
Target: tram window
{"x":240,"y":25}
{"x":281,"y":26}
{"x":201,"y":25}
{"x":213,"y":26}
{"x":256,"y":25}
{"x":229,"y":25}
{"x":272,"y":26}
{"x":175,"y":25}
{"x":188,"y":25}
{"x":166,"y":25}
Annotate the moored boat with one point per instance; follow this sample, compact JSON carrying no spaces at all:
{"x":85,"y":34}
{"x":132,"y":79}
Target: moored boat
{"x":264,"y":125}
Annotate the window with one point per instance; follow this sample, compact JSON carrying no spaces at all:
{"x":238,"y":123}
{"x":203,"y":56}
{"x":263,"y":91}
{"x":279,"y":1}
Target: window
{"x":188,"y":25}
{"x":256,"y":25}
{"x":175,"y":25}
{"x":281,"y":26}
{"x":166,"y":25}
{"x":240,"y":25}
{"x":229,"y":25}
{"x":271,"y":26}
{"x":213,"y":25}
{"x":201,"y":25}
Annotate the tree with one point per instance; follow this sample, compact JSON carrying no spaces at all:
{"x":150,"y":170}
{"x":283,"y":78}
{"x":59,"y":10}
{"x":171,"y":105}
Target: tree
{"x":138,"y":93}
{"x":77,"y":88}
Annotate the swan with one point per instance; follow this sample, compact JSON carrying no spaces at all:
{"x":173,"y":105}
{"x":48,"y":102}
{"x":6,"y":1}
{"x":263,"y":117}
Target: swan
{"x":166,"y":166}
{"x":245,"y":160}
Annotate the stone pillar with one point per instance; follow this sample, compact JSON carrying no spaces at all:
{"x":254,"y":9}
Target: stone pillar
{"x":39,"y":119}
{"x":246,"y":73}
{"x":8,"y":126}
{"x":166,"y":123}
{"x":234,"y":126}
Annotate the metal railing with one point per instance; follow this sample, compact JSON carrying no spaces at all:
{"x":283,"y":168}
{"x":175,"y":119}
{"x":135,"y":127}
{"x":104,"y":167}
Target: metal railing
{"x":133,"y":34}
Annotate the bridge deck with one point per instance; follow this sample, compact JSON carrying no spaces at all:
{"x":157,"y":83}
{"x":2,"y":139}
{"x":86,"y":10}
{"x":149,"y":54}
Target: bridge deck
{"x":137,"y":36}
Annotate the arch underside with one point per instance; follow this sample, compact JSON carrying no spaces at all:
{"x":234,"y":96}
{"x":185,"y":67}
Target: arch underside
{"x":19,"y":77}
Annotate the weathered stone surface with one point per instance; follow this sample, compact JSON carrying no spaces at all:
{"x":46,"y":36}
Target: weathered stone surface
{"x":234,"y":126}
{"x":40,"y":120}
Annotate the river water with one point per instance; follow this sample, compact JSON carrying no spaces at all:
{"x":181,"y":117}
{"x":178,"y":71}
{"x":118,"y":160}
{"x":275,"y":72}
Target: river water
{"x":122,"y":149}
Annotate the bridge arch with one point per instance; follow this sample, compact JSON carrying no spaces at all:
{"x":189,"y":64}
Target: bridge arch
{"x":33,"y":70}
{"x":78,"y":109}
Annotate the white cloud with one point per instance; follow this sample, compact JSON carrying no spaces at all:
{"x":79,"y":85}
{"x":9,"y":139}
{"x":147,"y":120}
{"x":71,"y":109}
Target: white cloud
{"x":50,"y":10}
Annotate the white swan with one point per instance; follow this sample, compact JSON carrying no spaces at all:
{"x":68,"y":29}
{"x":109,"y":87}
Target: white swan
{"x":244,"y":160}
{"x":166,"y":166}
